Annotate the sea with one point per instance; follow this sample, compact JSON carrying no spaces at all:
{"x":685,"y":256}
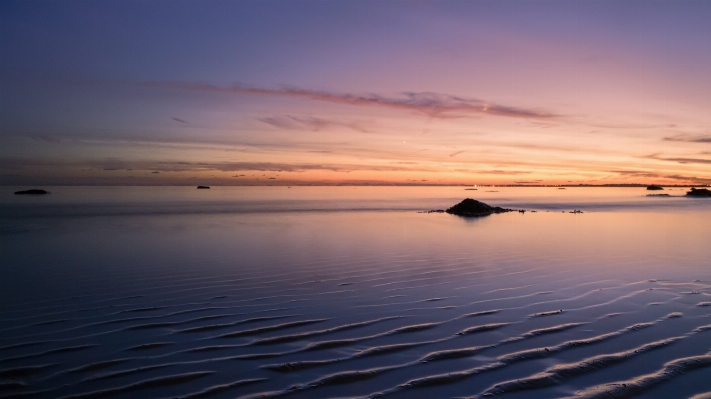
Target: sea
{"x":354,"y":292}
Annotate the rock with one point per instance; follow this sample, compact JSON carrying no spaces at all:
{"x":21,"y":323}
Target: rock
{"x":658,"y":195}
{"x":655,"y":187}
{"x":699,"y":192}
{"x":473,"y":208}
{"x":32,"y":192}
{"x":203,"y":187}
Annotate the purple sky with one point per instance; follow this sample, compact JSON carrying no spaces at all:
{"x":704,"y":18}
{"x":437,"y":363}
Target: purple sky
{"x":303,"y":92}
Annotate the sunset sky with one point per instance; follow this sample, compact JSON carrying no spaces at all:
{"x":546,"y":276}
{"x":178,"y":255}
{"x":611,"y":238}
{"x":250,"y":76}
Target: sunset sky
{"x":355,"y":92}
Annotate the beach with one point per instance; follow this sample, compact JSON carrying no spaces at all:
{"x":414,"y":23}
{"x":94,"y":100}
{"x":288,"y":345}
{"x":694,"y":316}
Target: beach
{"x":320,"y":292}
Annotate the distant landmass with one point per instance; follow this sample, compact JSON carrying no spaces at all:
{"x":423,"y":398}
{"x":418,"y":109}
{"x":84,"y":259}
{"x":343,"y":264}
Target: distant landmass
{"x":699,"y":192}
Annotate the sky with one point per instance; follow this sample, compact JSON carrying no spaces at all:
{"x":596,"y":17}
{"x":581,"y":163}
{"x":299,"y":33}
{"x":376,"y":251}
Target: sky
{"x":355,"y":92}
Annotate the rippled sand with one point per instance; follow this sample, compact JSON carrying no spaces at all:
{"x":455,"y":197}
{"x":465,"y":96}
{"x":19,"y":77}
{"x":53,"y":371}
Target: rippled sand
{"x":327,"y":302}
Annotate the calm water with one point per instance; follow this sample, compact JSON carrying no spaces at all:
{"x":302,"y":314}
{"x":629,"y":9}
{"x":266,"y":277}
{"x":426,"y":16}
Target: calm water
{"x":313,"y":292}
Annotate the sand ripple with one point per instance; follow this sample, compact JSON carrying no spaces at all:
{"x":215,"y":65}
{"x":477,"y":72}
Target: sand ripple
{"x":461,"y":331}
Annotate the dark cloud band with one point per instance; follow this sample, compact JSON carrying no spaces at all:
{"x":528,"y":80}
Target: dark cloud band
{"x":435,"y":105}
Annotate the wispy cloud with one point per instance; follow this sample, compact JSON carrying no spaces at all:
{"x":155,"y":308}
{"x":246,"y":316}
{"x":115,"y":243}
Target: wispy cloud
{"x":281,"y":167}
{"x":697,"y":180}
{"x":687,"y":160}
{"x":456,"y":153}
{"x":310,"y":123}
{"x":680,"y":160}
{"x":47,"y":139}
{"x":181,"y":120}
{"x":636,"y":173}
{"x":494,"y":172}
{"x":653,"y":175}
{"x":435,"y":105}
{"x":635,"y":126}
{"x":113,"y":164}
{"x":689,"y":139}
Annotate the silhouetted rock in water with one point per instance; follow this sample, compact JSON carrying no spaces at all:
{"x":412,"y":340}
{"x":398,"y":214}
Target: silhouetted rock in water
{"x":658,"y":195}
{"x":32,"y":192}
{"x":203,"y":187}
{"x":699,"y":192}
{"x":561,"y":188}
{"x":470,"y":207}
{"x":655,"y":187}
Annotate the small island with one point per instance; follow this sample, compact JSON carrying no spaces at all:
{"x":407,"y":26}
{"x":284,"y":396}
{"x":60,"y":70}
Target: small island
{"x":699,"y":192}
{"x":203,"y":187}
{"x":473,"y":208}
{"x":32,"y":192}
{"x":655,"y":187}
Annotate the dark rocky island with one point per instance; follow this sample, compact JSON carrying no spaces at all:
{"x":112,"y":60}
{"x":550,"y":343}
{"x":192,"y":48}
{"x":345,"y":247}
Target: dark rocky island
{"x":32,"y":192}
{"x":474,"y":208}
{"x":699,"y":192}
{"x":203,"y":187}
{"x":655,"y":187}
